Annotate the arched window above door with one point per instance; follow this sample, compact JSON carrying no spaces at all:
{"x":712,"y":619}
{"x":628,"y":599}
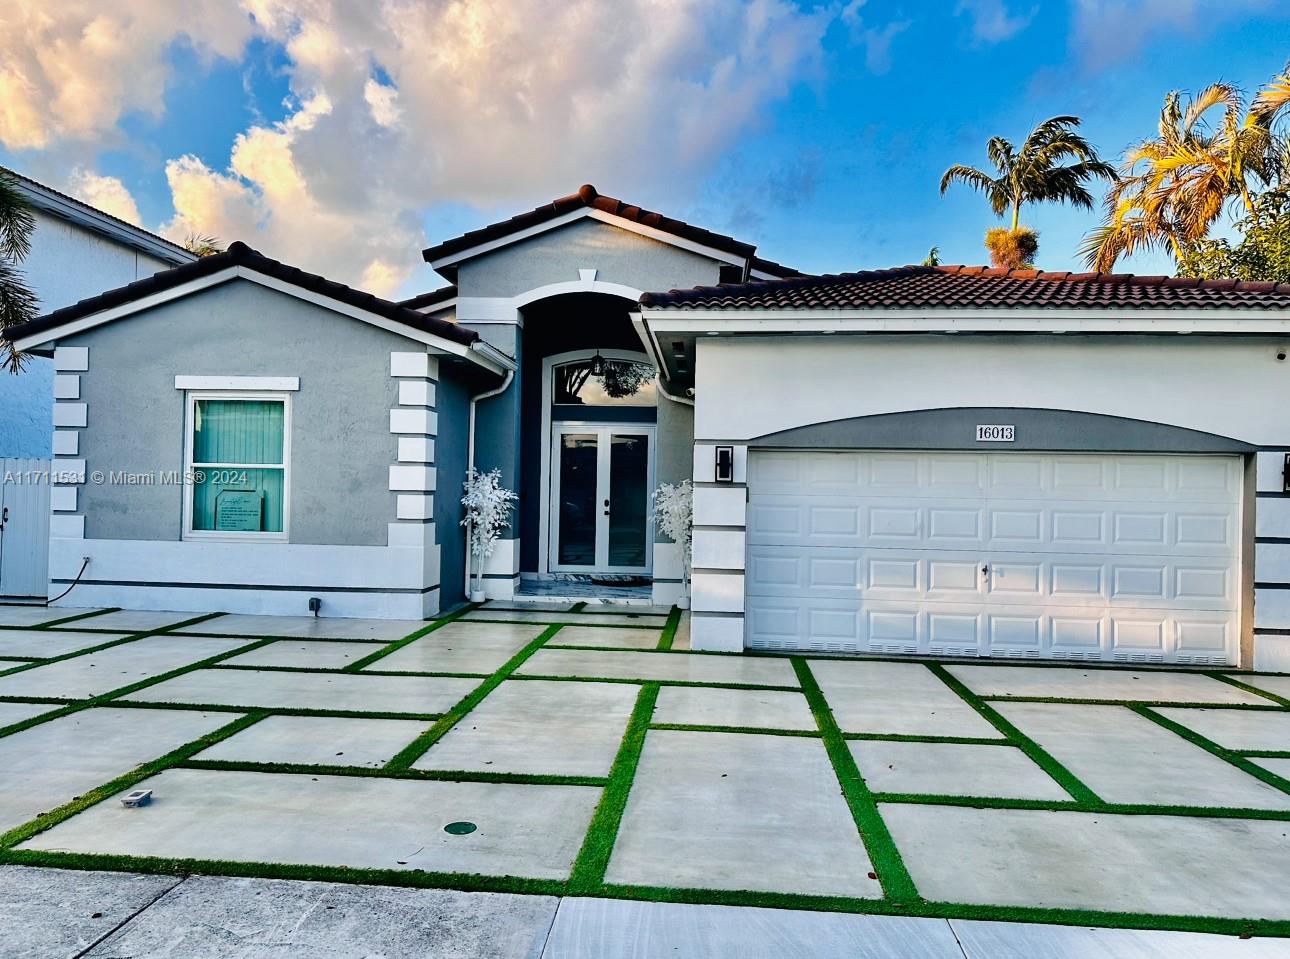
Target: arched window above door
{"x":603,"y":381}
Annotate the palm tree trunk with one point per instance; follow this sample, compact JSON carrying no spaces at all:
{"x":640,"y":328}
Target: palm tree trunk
{"x":1016,"y":214}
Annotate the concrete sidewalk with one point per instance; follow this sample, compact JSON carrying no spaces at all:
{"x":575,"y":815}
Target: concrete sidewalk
{"x":48,"y":913}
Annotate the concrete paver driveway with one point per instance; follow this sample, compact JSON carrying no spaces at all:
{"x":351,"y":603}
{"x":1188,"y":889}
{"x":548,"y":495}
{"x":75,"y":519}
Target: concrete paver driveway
{"x":583,"y":752}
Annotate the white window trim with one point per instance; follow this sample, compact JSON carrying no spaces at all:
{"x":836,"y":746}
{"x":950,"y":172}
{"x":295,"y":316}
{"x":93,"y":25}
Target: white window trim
{"x":190,"y":405}
{"x":277,"y":384}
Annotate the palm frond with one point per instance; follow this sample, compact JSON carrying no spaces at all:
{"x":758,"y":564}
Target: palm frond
{"x":1271,"y":99}
{"x":18,"y":304}
{"x":16,"y":220}
{"x":1216,"y":94}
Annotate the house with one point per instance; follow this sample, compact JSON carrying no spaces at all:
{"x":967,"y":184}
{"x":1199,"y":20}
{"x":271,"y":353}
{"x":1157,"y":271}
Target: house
{"x":76,"y":251}
{"x":926,"y":460}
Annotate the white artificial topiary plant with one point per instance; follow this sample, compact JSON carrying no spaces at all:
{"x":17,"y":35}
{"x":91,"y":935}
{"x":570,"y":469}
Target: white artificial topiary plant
{"x":488,"y":512}
{"x":674,"y":511}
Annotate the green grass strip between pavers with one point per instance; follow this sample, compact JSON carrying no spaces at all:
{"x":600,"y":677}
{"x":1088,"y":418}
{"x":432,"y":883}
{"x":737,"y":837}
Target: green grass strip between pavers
{"x":125,"y":781}
{"x":271,"y":710}
{"x":637,"y":680}
{"x":1233,"y":681}
{"x":740,"y":730}
{"x":1222,"y":752}
{"x":376,"y":772}
{"x":669,"y":630}
{"x":418,"y":747}
{"x":474,"y":882}
{"x":128,"y":638}
{"x":452,"y":617}
{"x":949,"y":910}
{"x":1119,"y":809}
{"x":1154,"y":703}
{"x":912,"y":738}
{"x":588,"y":874}
{"x":412,"y":878}
{"x":1037,"y":754}
{"x":346,"y":671}
{"x":897,"y":884}
{"x":77,"y":616}
{"x":76,"y":706}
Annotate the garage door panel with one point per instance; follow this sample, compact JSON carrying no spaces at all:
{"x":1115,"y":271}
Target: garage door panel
{"x":1133,"y":582}
{"x":1057,"y":526}
{"x":1213,"y":479}
{"x":1083,"y":557}
{"x":1037,"y":632}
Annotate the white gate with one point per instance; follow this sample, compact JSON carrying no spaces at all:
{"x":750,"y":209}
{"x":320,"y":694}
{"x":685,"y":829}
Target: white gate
{"x":24,"y":528}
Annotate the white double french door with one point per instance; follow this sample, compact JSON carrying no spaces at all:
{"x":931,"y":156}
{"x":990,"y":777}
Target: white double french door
{"x":600,"y":518}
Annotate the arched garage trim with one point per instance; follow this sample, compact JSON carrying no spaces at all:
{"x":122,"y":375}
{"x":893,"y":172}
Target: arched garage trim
{"x":1057,"y":431}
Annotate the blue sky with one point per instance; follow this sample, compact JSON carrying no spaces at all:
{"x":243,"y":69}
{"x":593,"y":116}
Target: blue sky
{"x":342,"y":137}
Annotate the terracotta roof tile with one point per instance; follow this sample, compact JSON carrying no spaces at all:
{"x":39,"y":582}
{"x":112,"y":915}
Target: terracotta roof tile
{"x":239,"y":254}
{"x":978,"y":287}
{"x":587,"y":196}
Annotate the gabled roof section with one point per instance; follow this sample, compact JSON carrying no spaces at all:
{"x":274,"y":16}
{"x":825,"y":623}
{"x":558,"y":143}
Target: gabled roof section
{"x":51,"y":201}
{"x":238,"y":256}
{"x":587,"y":201}
{"x":976,"y":287}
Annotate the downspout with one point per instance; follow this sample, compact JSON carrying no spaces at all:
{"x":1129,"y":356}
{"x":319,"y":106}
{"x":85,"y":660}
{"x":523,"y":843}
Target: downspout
{"x":470,"y":452}
{"x":662,"y":391}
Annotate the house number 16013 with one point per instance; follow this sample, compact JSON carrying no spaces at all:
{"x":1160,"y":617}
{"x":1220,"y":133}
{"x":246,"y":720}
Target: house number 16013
{"x":996,"y":433}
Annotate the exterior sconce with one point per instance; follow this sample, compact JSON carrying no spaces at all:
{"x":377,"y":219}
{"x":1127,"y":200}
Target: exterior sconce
{"x":725,"y":464}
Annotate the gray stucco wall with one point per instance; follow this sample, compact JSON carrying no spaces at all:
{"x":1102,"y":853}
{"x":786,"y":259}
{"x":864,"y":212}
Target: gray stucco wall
{"x":556,"y":256}
{"x":674,"y":455}
{"x":341,"y":446}
{"x":452,"y":403}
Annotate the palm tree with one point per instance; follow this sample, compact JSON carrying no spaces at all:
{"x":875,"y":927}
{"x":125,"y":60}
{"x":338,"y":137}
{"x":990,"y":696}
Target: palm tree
{"x":18,"y":303}
{"x":1033,"y":174}
{"x":202,"y":244}
{"x":1176,"y":185}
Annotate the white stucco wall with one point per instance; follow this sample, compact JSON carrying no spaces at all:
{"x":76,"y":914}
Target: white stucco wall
{"x":67,"y":263}
{"x":1229,"y":386}
{"x":749,"y":387}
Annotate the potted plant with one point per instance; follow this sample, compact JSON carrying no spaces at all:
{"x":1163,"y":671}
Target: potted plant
{"x":674,"y":511}
{"x":488,"y":512}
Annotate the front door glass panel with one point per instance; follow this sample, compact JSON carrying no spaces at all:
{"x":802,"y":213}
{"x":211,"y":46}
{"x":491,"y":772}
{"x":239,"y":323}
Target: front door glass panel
{"x":628,"y":499}
{"x":577,"y":507}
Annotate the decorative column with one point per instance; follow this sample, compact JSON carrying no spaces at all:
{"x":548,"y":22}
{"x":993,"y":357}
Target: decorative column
{"x":71,"y":415}
{"x":412,"y":476}
{"x":718,"y":553}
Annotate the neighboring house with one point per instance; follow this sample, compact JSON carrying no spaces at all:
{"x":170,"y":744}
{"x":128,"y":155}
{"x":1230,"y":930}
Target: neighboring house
{"x":941,"y":461}
{"x":76,"y":251}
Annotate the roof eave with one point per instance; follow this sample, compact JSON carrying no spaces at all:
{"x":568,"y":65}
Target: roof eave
{"x":50,"y":201}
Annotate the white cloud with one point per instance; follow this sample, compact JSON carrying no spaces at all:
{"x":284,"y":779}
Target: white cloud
{"x":70,"y":70}
{"x":487,"y":102}
{"x":1106,"y":32}
{"x":399,"y":105}
{"x":876,"y":41}
{"x":106,"y":193}
{"x":992,"y":21}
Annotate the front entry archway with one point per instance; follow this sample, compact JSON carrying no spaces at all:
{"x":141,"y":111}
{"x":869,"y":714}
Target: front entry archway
{"x":599,"y":411}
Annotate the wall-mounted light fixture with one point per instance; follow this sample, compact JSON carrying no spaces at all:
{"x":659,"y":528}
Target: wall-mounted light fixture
{"x":725,"y":464}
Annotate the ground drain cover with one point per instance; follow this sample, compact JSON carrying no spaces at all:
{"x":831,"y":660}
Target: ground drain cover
{"x":460,"y":828}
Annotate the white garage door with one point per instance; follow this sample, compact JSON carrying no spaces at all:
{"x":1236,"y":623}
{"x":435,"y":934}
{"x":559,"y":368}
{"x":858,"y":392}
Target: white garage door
{"x":1127,"y":558}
